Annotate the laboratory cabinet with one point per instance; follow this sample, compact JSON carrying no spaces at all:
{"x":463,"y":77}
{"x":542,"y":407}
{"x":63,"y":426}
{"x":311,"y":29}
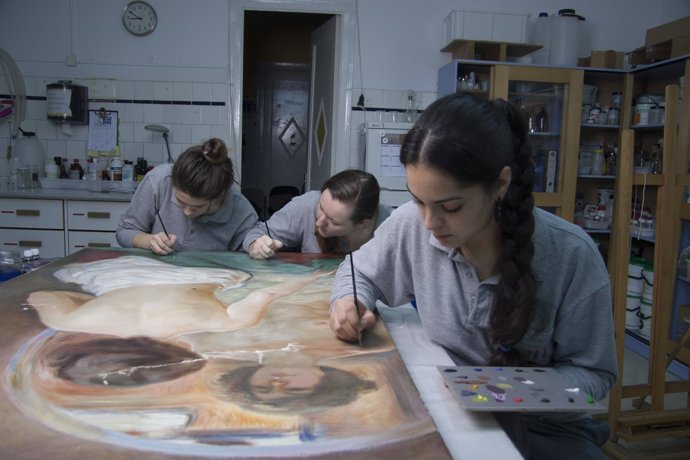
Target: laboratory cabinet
{"x":551,"y":99}
{"x":622,"y":174}
{"x":59,"y":225}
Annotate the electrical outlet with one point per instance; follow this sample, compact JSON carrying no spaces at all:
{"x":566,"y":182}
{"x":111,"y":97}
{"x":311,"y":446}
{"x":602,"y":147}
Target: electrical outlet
{"x":71,"y":60}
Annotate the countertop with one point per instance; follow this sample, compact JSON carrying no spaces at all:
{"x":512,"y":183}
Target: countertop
{"x":65,"y":194}
{"x":466,"y":434}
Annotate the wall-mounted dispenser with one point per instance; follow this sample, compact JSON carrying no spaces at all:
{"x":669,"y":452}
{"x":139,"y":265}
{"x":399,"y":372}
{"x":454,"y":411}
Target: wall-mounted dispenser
{"x":67,"y":103}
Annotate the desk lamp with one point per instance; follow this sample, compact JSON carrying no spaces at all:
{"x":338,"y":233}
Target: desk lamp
{"x":164,"y":131}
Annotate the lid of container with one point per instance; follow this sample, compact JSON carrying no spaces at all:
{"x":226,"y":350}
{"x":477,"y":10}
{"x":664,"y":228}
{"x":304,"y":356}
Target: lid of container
{"x":543,"y":14}
{"x":570,"y":12}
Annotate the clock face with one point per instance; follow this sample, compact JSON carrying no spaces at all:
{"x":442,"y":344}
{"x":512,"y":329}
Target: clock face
{"x":139,"y":18}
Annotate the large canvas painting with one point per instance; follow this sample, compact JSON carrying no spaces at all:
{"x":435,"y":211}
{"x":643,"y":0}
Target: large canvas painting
{"x":121,"y":354}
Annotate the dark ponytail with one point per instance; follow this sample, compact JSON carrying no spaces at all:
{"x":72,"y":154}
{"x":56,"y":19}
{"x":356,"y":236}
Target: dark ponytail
{"x":472,"y":140}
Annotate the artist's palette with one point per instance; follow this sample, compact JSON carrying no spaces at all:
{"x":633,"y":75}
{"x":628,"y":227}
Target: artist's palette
{"x":515,"y":389}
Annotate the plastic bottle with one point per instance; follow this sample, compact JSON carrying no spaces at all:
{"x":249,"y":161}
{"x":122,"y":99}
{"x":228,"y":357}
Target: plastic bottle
{"x":29,"y":151}
{"x":540,"y":36}
{"x":31,"y":260}
{"x":116,"y":169}
{"x":92,"y":170}
{"x":51,"y":169}
{"x":128,"y":171}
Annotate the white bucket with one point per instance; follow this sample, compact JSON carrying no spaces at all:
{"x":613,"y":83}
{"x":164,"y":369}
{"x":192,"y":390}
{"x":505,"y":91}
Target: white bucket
{"x":632,"y":308}
{"x":645,"y":318}
{"x":635,"y":281}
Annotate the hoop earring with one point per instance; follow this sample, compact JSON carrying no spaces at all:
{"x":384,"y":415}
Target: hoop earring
{"x":498,"y":209}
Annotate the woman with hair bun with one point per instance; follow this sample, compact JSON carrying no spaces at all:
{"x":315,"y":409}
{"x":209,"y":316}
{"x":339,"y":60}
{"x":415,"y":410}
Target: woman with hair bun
{"x":191,"y":204}
{"x":497,"y":282}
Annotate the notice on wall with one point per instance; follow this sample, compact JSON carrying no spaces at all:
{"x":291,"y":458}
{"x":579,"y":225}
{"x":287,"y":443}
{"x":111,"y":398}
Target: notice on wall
{"x":102,"y":130}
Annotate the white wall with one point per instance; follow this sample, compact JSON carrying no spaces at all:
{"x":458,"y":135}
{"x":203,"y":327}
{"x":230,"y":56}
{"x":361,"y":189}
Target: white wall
{"x":186,"y":59}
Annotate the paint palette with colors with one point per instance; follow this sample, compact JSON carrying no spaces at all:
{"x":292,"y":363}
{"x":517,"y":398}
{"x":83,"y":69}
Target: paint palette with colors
{"x":539,"y":389}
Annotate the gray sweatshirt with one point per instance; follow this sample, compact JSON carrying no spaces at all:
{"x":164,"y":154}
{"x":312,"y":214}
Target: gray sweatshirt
{"x":223,"y":230}
{"x":295,"y":224}
{"x":404,"y":261}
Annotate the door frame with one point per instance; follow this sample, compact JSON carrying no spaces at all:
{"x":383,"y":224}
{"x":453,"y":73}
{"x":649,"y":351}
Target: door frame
{"x":345,"y":41}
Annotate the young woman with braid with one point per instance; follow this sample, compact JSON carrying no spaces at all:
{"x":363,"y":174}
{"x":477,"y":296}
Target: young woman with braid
{"x":496,"y":280}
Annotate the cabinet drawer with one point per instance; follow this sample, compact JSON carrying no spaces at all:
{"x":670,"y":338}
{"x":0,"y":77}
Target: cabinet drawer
{"x":22,"y":213}
{"x":51,"y":243}
{"x":81,"y":240}
{"x":94,"y":215}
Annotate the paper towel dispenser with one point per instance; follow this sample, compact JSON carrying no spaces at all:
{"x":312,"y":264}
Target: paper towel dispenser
{"x":67,"y":102}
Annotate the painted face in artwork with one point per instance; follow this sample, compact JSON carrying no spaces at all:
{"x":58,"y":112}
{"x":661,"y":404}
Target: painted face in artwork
{"x":456,"y":215}
{"x":275,"y":382}
{"x":333,"y":216}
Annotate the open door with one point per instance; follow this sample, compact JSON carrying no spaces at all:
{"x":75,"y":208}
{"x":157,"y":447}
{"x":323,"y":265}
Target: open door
{"x":322,"y":107}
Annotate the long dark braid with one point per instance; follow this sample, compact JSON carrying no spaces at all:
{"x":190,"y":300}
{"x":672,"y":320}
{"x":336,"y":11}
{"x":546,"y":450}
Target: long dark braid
{"x":515,"y":295}
{"x":472,"y":140}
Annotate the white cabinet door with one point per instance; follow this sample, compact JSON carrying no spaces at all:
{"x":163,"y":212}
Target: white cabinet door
{"x":94,"y":215}
{"x":51,"y":243}
{"x":28,"y":213}
{"x":80,"y":240}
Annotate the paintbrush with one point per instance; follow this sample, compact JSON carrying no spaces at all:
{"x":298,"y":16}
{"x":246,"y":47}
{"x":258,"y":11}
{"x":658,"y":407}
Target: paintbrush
{"x":164,"y":229}
{"x":267,"y":230}
{"x":354,"y":292}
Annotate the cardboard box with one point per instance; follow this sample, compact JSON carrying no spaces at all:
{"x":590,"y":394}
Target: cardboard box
{"x":668,"y":31}
{"x":485,"y":25}
{"x":660,"y":52}
{"x":608,"y":59}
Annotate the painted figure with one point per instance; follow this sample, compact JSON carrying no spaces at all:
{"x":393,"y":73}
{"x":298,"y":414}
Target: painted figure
{"x":210,"y":361}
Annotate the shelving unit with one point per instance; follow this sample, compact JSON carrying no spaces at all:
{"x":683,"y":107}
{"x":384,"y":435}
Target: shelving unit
{"x":668,"y":346}
{"x":649,"y":418}
{"x":559,"y":91}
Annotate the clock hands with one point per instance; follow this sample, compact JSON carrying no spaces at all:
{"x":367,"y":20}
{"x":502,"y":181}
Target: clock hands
{"x":134,"y":16}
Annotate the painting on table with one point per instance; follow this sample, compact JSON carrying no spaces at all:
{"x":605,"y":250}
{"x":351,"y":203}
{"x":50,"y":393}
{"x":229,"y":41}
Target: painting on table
{"x":121,"y":354}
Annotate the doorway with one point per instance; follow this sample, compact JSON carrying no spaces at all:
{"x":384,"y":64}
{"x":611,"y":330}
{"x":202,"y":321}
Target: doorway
{"x":334,"y":149}
{"x":275,"y":103}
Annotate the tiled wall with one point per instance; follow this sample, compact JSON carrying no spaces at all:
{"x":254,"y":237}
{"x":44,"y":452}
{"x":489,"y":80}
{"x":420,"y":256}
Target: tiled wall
{"x":194,"y":112}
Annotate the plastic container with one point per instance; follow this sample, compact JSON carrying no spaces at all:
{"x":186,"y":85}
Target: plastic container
{"x":641,"y":113}
{"x":565,"y":36}
{"x":10,"y":265}
{"x":540,"y":36}
{"x":116,"y":169}
{"x":31,"y":155}
{"x":128,"y":171}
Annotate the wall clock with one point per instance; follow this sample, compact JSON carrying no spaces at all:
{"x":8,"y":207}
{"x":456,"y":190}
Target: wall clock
{"x":139,"y":18}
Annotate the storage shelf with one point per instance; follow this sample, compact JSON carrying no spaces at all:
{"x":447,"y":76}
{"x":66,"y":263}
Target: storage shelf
{"x":596,"y":176}
{"x":648,"y":179}
{"x":600,"y":126}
